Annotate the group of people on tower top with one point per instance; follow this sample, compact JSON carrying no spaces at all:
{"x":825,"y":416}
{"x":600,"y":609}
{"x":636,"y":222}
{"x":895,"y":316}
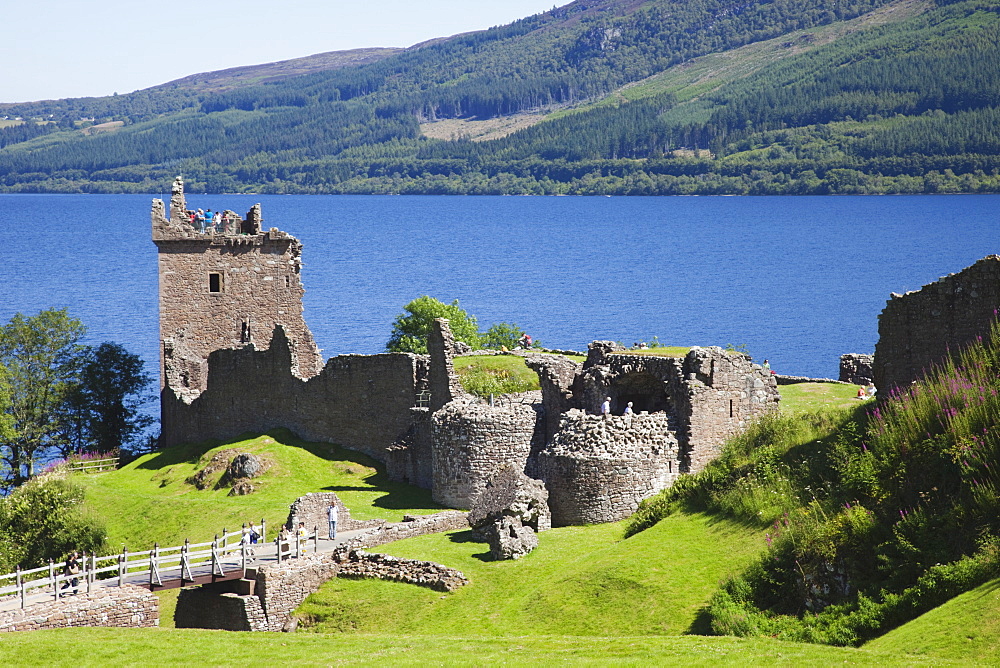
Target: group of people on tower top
{"x":220,"y":222}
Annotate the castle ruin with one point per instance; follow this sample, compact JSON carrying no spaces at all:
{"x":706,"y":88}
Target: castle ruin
{"x":238,"y":357}
{"x":919,"y":329}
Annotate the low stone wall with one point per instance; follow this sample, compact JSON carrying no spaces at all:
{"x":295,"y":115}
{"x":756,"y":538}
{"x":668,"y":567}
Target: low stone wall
{"x":311,"y":510}
{"x":598,"y":469}
{"x":795,"y":380}
{"x":448,"y":520}
{"x":282,"y":587}
{"x":121,"y":607}
{"x":361,"y":564}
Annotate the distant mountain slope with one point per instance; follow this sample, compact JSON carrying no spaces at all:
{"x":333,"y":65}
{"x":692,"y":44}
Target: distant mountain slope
{"x":799,"y":97}
{"x":221,"y":80}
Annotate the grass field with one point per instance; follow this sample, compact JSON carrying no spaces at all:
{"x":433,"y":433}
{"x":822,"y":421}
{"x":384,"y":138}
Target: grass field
{"x":184,"y":647}
{"x":813,"y":397}
{"x":579,"y":581}
{"x":150,"y":499}
{"x":966,"y":626}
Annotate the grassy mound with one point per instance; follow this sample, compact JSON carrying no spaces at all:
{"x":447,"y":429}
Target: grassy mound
{"x":153,"y":499}
{"x":877,"y":514}
{"x":579,"y":581}
{"x":965,"y":628}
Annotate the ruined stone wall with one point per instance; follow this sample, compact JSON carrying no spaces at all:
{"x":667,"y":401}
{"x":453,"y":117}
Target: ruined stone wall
{"x":556,"y":375}
{"x":419,"y":525}
{"x":363,"y":565}
{"x":361,"y":402}
{"x":598,"y":469}
{"x":225,"y":291}
{"x":311,"y":509}
{"x":916,"y":330}
{"x":121,"y":607}
{"x":722,"y":393}
{"x":472,"y":441}
{"x":855,"y":368}
{"x":409,"y":459}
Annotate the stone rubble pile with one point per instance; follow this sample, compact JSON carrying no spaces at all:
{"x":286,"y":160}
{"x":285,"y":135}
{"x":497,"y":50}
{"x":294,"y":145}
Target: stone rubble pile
{"x":361,"y":564}
{"x":509,"y":512}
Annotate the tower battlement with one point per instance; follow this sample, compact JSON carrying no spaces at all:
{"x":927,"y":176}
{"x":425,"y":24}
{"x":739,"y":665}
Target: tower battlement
{"x":225,"y":288}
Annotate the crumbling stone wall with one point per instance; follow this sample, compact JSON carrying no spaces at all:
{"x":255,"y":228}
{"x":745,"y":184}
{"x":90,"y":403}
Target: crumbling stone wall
{"x":556,"y":375}
{"x":474,"y":441}
{"x":916,"y":330}
{"x":361,"y":402}
{"x":225,"y":291}
{"x":724,"y":391}
{"x":121,"y":607}
{"x":409,"y":458}
{"x":311,"y":509}
{"x":364,"y":565}
{"x":598,"y":469}
{"x":856,"y":368}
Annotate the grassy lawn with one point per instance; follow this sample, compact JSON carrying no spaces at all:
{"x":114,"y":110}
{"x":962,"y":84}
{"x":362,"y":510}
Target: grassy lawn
{"x":159,"y":647}
{"x":579,"y":581}
{"x":513,"y":365}
{"x":966,"y":627}
{"x":814,"y":397}
{"x":151,"y":501}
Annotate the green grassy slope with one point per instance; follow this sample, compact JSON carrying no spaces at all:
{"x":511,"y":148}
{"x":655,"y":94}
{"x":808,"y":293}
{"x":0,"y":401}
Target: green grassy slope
{"x":966,"y":628}
{"x":158,"y":647}
{"x":149,"y":500}
{"x":579,"y":581}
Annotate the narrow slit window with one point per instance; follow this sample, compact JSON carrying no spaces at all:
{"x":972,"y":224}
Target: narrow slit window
{"x":215,"y":282}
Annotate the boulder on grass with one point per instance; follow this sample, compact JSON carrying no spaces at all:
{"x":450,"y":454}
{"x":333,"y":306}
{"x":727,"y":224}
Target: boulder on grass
{"x":509,"y":512}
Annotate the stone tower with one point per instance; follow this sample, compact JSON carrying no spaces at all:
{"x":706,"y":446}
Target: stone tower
{"x":225,"y":289}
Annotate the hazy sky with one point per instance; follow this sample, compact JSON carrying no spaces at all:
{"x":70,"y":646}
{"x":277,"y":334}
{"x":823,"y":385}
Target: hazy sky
{"x":70,"y":48}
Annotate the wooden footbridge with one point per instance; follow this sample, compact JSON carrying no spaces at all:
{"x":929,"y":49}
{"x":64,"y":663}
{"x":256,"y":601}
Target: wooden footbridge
{"x":223,"y":558}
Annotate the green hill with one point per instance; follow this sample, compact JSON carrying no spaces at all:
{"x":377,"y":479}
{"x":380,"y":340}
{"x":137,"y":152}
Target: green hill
{"x":965,"y":628}
{"x":667,"y":96}
{"x":153,"y":499}
{"x":586,"y":595}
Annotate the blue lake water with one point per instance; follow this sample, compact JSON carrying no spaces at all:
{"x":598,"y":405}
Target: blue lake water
{"x":798,"y":280}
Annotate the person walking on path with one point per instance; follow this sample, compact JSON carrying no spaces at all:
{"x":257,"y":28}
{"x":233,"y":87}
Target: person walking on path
{"x":332,"y":515}
{"x":71,"y":570}
{"x":247,"y":540}
{"x":606,"y":407}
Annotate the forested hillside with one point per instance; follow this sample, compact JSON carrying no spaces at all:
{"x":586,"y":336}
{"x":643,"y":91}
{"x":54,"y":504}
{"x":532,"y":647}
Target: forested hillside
{"x":633,"y":97}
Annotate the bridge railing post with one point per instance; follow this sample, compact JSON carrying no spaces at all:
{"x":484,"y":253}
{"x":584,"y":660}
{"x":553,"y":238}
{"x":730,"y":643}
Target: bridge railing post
{"x":225,"y":538}
{"x":263,"y":530}
{"x":122,"y":565}
{"x":52,"y":579}
{"x":93,"y":568}
{"x":315,"y":539}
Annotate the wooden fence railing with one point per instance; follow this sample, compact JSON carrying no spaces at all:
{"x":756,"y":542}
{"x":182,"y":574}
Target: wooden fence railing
{"x":158,"y":563}
{"x":93,"y":465}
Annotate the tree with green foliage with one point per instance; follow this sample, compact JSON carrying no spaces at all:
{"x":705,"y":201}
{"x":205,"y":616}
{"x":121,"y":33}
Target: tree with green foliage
{"x":503,"y":335}
{"x":42,"y":520}
{"x":105,"y":411}
{"x":42,"y":354}
{"x":410,"y":330}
